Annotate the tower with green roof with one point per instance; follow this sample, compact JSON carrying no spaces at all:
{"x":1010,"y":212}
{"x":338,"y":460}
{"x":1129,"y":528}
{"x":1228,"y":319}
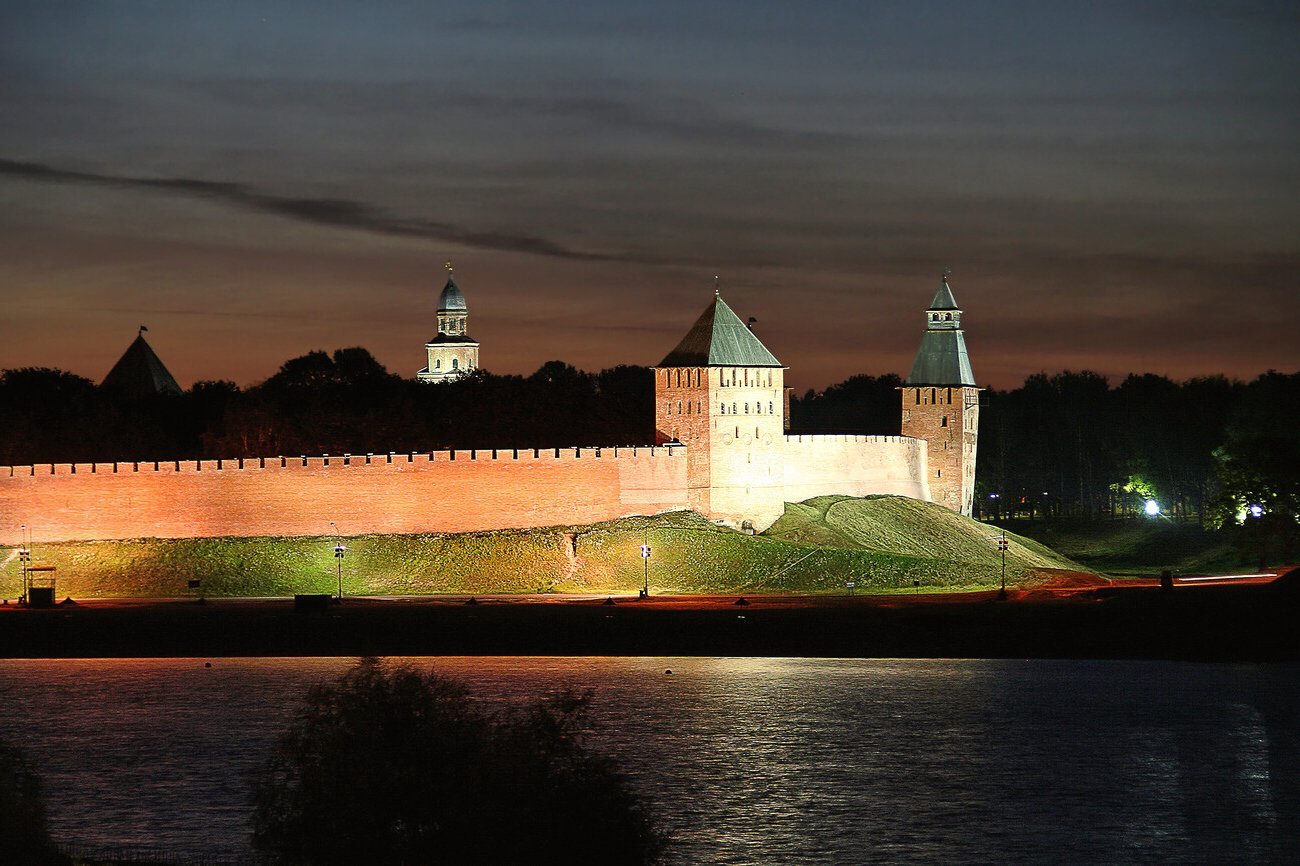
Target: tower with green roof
{"x":941,"y":403}
{"x":721,"y":393}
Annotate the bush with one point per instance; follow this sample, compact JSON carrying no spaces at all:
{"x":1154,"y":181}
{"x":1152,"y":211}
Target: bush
{"x":24,"y":835}
{"x":389,"y":765}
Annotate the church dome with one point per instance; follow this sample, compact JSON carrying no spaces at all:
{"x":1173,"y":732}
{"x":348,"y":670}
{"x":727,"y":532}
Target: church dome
{"x":451,"y":300}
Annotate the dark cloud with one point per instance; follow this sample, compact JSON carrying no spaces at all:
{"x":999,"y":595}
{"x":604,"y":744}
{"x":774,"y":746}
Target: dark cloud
{"x":332,"y":212}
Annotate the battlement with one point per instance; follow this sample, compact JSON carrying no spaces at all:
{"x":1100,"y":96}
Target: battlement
{"x":403,"y":493}
{"x":826,"y":438}
{"x":391,"y":458}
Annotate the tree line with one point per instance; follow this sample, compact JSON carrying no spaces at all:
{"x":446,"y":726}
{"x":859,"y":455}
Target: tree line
{"x":1067,"y":444}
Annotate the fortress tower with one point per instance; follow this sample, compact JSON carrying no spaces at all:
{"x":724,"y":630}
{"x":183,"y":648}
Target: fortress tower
{"x":941,"y":403}
{"x":453,"y":352}
{"x":720,"y":393}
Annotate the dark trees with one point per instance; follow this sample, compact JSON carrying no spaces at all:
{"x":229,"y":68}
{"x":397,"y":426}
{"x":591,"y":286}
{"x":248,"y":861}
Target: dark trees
{"x":860,"y":404}
{"x":388,"y":765}
{"x":24,"y":836}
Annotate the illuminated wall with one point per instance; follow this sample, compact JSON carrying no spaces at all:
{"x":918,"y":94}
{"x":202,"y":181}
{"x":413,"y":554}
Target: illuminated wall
{"x":403,"y":493}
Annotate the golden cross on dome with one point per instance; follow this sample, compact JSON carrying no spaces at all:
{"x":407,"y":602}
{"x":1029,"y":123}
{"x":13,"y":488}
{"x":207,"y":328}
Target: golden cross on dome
{"x":448,"y":266}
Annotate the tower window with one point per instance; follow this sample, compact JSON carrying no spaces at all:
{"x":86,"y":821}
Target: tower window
{"x":943,"y":422}
{"x":455,"y":363}
{"x":733,"y":409}
{"x":947,"y":317}
{"x":770,"y":410}
{"x":722,"y":407}
{"x":437,"y":365}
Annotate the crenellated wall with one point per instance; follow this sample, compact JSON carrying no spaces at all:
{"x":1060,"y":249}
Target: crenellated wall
{"x":386,"y":493}
{"x":442,"y":491}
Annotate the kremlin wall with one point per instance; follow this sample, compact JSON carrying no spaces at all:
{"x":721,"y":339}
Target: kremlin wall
{"x":722,"y":450}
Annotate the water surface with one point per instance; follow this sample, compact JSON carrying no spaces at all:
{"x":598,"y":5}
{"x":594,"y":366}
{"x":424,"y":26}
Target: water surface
{"x":795,"y":761}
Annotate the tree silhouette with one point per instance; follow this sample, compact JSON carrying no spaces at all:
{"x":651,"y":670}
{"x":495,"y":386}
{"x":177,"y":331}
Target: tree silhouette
{"x":389,"y":765}
{"x":24,"y":836}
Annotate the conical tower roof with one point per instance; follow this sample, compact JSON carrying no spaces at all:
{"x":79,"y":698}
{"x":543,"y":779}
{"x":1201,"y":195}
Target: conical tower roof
{"x":942,"y":359}
{"x":943,"y":299}
{"x":140,"y":373}
{"x":719,"y":339}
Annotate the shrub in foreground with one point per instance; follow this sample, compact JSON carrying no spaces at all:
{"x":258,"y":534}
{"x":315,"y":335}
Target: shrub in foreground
{"x":390,"y":765}
{"x":24,"y":835}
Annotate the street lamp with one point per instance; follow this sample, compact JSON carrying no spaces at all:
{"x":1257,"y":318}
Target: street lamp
{"x":645,"y":561}
{"x":1151,"y":508}
{"x":1002,"y":546}
{"x":25,"y":557}
{"x":339,"y":550}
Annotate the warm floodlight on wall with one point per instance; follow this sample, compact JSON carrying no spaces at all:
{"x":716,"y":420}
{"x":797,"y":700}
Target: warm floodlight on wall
{"x":1152,"y":508}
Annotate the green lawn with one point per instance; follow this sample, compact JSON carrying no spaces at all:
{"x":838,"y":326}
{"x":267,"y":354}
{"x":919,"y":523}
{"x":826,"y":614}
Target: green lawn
{"x":883,"y":544}
{"x":1143,"y":546}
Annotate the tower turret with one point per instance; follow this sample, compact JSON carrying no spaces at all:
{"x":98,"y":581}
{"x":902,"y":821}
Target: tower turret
{"x":941,"y":403}
{"x":452,"y":352}
{"x":720,"y":392}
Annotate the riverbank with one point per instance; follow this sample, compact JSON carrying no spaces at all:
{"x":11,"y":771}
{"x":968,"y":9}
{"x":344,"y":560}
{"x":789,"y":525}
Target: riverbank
{"x":1193,"y":621}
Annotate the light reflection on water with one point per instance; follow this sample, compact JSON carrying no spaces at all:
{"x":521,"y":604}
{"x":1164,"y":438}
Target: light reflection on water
{"x":746,"y":760}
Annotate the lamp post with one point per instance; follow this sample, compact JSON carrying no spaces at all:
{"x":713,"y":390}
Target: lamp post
{"x":25,"y":557}
{"x":645,"y":562}
{"x":339,"y":550}
{"x":1002,"y":546}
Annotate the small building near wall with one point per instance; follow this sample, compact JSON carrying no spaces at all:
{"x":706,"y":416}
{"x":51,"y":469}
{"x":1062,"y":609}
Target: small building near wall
{"x":452,"y":352}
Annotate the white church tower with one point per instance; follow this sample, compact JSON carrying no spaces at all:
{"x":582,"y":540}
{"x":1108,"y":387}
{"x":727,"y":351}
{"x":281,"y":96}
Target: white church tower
{"x":452,"y":353}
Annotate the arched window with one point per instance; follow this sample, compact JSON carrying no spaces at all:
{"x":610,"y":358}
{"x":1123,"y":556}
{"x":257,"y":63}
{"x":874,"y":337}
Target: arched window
{"x":722,"y":407}
{"x":437,"y":365}
{"x":455,"y":363}
{"x":679,"y":407}
{"x":943,"y":422}
{"x":947,"y":317}
{"x":746,"y":408}
{"x":679,"y":378}
{"x":733,"y":409}
{"x":758,"y":408}
{"x":770,"y":411}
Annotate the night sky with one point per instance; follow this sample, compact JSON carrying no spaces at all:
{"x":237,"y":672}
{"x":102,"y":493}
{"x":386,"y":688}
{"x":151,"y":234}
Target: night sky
{"x":1114,"y":184}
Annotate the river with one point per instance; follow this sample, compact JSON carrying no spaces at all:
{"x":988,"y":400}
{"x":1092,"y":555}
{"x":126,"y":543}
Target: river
{"x":789,"y":761}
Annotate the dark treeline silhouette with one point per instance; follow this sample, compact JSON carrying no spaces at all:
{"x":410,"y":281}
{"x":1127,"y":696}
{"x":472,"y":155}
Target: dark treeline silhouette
{"x":322,"y":404}
{"x":1062,"y":445}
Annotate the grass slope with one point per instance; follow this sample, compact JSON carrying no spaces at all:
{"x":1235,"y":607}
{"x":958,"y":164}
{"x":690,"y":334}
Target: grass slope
{"x":1144,"y":546}
{"x":882,"y":543}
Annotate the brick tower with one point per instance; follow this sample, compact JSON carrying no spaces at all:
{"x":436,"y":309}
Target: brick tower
{"x":721,"y":393}
{"x":453,"y":352}
{"x":941,"y":403}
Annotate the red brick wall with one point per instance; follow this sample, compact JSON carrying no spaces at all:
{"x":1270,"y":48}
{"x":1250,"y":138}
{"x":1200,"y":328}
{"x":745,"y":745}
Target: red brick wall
{"x":401,"y":494}
{"x":947,"y":419}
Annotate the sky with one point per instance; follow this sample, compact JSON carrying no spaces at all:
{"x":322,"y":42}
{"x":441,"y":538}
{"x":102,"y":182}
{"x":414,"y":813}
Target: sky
{"x":1113,"y":184}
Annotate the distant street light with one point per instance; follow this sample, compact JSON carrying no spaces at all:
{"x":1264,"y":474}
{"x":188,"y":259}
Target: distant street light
{"x":25,"y":557}
{"x":1255,"y":510}
{"x":339,"y":550}
{"x":1152,"y":508}
{"x":1002,"y":546}
{"x":645,"y":561}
